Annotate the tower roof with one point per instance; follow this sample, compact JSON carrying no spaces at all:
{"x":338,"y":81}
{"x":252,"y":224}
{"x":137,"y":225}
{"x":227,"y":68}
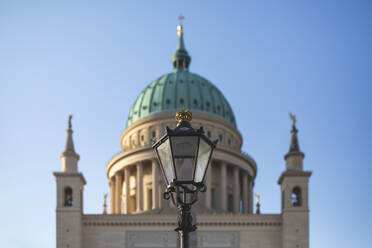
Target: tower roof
{"x":69,"y":148}
{"x":181,"y":88}
{"x":294,"y":147}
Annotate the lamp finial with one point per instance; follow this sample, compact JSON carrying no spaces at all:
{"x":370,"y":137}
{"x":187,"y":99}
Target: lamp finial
{"x":183,"y":115}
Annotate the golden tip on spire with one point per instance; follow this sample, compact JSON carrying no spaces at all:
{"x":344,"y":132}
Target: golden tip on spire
{"x":180,"y":30}
{"x":180,"y":27}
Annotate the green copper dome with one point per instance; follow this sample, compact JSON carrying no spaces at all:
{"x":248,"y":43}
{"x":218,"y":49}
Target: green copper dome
{"x":181,"y":88}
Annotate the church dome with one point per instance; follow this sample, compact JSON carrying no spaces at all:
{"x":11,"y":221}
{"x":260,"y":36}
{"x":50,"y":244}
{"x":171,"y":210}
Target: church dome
{"x":181,"y":88}
{"x":136,"y":184}
{"x":178,"y":89}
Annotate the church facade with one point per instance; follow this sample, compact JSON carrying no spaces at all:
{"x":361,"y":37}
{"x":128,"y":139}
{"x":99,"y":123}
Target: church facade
{"x":139,"y":217}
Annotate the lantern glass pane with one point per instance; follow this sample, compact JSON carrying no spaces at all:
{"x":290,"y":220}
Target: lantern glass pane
{"x":205,"y":150}
{"x":184,"y":152}
{"x":165,"y":156}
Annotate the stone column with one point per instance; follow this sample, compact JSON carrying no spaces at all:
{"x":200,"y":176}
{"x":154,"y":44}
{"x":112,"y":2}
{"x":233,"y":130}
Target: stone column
{"x":139,"y":187}
{"x":118,"y":185}
{"x":208,"y":183}
{"x":155,"y":184}
{"x":112,"y":195}
{"x":245,"y":192}
{"x":223,"y":186}
{"x":236,"y":190}
{"x":250,"y":194}
{"x":127,"y":190}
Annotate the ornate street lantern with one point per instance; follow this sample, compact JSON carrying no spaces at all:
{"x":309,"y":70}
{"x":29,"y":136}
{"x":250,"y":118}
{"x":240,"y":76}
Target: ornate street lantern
{"x":184,"y":154}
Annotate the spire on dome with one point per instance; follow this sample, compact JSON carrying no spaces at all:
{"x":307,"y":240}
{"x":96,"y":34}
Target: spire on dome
{"x":69,"y":149}
{"x":181,"y":58}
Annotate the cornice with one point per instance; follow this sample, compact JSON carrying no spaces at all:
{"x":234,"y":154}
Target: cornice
{"x":294,"y":153}
{"x":264,"y":220}
{"x":293,"y":173}
{"x":70,"y":174}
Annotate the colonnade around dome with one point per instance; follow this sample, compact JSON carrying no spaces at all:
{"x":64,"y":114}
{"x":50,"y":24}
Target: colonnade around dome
{"x":138,"y":188}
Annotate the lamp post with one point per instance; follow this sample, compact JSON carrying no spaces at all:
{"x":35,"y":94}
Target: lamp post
{"x":184,"y":154}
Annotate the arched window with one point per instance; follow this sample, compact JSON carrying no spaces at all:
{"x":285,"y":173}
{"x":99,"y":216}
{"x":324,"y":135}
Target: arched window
{"x":68,"y":200}
{"x":296,"y":197}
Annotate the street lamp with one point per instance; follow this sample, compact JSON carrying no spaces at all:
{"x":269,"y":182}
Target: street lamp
{"x":184,"y":154}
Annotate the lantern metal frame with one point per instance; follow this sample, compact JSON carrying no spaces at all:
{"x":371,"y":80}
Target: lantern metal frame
{"x":184,"y":193}
{"x":184,"y":129}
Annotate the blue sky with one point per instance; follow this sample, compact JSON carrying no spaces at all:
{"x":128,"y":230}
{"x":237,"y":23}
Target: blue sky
{"x":92,"y":58}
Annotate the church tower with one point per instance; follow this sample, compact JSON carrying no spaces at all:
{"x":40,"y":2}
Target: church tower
{"x":294,"y":183}
{"x":70,"y":185}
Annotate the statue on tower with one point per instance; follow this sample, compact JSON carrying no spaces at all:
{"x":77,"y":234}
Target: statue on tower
{"x":293,"y":118}
{"x":69,"y":121}
{"x":258,"y":205}
{"x":105,"y":203}
{"x":294,"y":147}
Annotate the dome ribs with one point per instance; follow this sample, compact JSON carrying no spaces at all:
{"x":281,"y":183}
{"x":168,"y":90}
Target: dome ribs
{"x":188,"y":97}
{"x":181,"y":91}
{"x":176,"y":75}
{"x":194,"y":94}
{"x":163,"y":95}
{"x":157,"y":95}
